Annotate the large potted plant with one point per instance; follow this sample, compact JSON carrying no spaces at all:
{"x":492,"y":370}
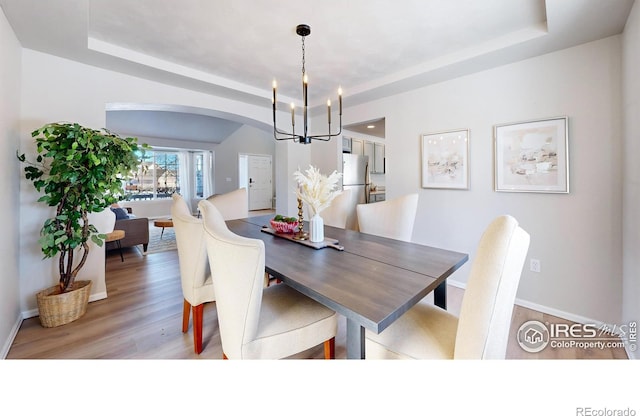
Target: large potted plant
{"x":79,"y":170}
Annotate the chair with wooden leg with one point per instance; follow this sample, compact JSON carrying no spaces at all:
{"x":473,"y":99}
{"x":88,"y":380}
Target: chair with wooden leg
{"x":195,"y":275}
{"x":233,"y":204}
{"x":257,"y":322}
{"x":393,"y":218}
{"x":335,"y":215}
{"x":482,"y":329}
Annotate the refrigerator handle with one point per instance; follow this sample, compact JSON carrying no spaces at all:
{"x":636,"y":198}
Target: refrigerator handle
{"x":366,"y":184}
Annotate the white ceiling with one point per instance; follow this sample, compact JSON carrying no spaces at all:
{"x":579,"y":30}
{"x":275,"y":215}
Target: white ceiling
{"x":375,"y":127}
{"x":371,"y":48}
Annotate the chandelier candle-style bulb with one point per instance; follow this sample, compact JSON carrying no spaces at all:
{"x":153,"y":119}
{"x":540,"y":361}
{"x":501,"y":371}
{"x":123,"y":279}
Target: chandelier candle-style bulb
{"x":305,"y":138}
{"x":273,"y":100}
{"x":305,"y":84}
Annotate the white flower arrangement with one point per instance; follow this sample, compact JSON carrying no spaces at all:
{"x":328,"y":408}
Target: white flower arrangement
{"x":316,"y":189}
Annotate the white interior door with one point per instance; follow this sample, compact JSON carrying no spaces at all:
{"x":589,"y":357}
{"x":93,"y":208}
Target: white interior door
{"x":260,"y":182}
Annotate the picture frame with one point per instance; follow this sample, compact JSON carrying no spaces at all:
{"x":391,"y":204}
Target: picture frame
{"x":532,"y":156}
{"x":445,"y":160}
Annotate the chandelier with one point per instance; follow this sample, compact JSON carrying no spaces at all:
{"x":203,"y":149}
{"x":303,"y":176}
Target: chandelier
{"x":304,"y":137}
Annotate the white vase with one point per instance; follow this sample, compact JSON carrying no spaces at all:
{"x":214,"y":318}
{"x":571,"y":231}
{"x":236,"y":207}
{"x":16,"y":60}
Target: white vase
{"x":316,"y":229}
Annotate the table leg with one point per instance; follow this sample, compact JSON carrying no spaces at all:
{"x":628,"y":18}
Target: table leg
{"x":161,"y":232}
{"x":355,"y":340}
{"x":120,"y":248}
{"x":440,"y":295}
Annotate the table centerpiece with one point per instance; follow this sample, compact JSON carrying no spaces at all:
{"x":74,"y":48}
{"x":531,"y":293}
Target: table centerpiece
{"x":317,"y":191}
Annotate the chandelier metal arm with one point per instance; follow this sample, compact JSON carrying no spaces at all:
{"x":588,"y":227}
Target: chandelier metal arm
{"x":305,"y":138}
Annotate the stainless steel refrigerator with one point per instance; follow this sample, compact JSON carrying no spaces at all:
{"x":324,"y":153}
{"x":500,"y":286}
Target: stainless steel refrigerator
{"x":355,"y":176}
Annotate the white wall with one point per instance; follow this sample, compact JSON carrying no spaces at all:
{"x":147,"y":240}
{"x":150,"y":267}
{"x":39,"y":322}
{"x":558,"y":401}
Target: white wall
{"x":291,"y":156}
{"x":152,"y":209}
{"x":577,"y":237}
{"x":10,"y":67}
{"x":246,"y":139}
{"x":631,"y":177}
{"x":55,"y":89}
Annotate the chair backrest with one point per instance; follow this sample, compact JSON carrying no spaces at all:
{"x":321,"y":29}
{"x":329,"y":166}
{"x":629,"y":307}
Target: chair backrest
{"x":104,"y":221}
{"x":232,"y":205}
{"x":393,"y":218}
{"x":335,"y":215}
{"x":192,"y":249}
{"x":237,"y":264}
{"x":487,"y":304}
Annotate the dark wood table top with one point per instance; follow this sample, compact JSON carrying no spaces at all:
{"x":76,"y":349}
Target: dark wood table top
{"x":372,"y":282}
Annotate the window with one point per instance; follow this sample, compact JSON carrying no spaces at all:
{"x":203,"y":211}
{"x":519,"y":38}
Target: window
{"x":164,"y":172}
{"x":198,"y":171}
{"x":157,"y":176}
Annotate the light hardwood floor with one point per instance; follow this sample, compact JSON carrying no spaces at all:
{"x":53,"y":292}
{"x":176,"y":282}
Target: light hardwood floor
{"x":142,"y":319}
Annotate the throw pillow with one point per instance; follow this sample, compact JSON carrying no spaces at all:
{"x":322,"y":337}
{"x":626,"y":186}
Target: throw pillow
{"x":121,"y":214}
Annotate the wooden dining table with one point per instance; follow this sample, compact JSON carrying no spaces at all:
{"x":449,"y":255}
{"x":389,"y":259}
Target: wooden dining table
{"x":368,"y":279}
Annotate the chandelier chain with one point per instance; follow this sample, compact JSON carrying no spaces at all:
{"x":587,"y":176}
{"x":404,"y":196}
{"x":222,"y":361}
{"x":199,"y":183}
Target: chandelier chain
{"x":305,"y":137}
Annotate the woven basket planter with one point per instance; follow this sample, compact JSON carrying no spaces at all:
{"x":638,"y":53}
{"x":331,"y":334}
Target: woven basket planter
{"x":62,"y":308}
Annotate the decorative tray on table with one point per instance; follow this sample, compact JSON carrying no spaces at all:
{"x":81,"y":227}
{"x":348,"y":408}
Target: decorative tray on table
{"x":328,"y":242}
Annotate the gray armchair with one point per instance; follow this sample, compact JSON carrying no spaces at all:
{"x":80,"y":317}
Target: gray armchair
{"x":136,"y":232}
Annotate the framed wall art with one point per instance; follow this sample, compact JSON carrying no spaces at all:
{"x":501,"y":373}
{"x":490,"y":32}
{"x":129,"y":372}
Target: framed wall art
{"x":445,"y":160}
{"x":532,"y":156}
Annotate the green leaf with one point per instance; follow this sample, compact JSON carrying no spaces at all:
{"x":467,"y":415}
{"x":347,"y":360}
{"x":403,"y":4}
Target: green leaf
{"x":78,"y":170}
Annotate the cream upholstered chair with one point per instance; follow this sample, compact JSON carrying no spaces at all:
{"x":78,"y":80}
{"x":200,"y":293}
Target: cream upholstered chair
{"x":232,"y":205}
{"x":335,"y":215}
{"x":482,"y":330}
{"x":197,"y":286}
{"x":258,"y":322}
{"x":104,"y":220}
{"x":393,"y":218}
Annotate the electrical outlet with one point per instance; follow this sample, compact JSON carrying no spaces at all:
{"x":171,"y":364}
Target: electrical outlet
{"x":535,"y":265}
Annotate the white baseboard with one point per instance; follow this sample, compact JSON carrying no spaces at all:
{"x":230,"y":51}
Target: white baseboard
{"x":556,"y":312}
{"x":457,"y":284}
{"x":548,"y":310}
{"x":633,"y":355}
{"x":98,"y":296}
{"x":12,"y":336}
{"x":30,"y":314}
{"x":34,"y":312}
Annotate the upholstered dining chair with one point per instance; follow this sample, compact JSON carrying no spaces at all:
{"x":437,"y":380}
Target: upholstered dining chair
{"x":392,"y":218}
{"x":104,"y":220}
{"x":232,"y":205}
{"x":482,"y":329}
{"x":257,"y":322}
{"x":195,"y":276}
{"x":335,"y":215}
{"x":235,"y":205}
